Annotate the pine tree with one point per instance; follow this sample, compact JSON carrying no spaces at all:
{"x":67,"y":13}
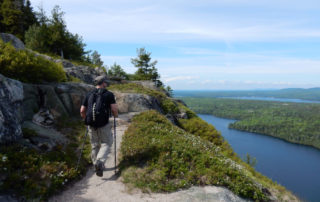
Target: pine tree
{"x":117,"y":71}
{"x":12,"y":18}
{"x":16,"y":16}
{"x":2,"y":27}
{"x":96,"y":59}
{"x":52,"y":36}
{"x":29,"y":16}
{"x":146,"y":68}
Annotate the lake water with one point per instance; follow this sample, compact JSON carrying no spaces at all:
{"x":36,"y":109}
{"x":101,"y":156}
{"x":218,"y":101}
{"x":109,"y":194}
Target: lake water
{"x":294,"y":166}
{"x":273,"y":99}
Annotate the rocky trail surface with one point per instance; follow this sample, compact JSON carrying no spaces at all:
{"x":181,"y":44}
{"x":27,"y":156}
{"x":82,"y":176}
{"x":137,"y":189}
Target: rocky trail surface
{"x":110,"y":187}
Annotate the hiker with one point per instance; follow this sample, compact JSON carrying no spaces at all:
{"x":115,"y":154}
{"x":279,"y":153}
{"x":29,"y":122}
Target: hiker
{"x":95,"y":110}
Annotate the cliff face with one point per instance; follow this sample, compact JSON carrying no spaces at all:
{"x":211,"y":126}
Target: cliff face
{"x":11,"y":98}
{"x":22,"y":102}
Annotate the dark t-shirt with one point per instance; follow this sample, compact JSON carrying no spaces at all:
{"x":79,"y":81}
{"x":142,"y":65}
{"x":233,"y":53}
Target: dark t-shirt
{"x":109,"y":98}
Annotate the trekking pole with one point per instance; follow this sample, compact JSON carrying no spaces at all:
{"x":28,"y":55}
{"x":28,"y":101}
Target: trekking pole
{"x":115,"y":145}
{"x":84,"y":141}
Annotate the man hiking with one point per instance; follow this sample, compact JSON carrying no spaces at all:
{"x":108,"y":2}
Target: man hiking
{"x":95,"y":110}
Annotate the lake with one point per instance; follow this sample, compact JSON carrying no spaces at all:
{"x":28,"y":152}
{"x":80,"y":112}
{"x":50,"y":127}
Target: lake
{"x":294,"y":166}
{"x":273,"y":99}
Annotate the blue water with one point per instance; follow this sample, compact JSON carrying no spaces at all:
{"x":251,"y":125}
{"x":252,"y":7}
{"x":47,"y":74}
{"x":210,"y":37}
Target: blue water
{"x":294,"y":166}
{"x":235,"y":95}
{"x":273,"y":99}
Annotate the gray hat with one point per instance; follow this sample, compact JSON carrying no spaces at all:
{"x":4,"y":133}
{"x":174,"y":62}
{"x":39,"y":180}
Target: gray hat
{"x":100,"y":79}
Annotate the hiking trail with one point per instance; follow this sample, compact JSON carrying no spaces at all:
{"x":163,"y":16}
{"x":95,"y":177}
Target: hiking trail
{"x":110,"y":187}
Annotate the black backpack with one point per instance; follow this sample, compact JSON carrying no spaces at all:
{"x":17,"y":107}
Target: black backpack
{"x":98,"y":109}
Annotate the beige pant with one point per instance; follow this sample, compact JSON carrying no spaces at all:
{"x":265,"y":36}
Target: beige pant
{"x":101,"y":142}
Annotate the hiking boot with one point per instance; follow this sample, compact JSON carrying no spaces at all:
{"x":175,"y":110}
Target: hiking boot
{"x":99,"y":169}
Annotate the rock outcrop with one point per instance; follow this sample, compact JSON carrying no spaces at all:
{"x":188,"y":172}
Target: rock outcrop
{"x":63,"y":99}
{"x":17,"y":43}
{"x":84,"y":73}
{"x":146,"y":84}
{"x":133,"y":102}
{"x":11,"y":97}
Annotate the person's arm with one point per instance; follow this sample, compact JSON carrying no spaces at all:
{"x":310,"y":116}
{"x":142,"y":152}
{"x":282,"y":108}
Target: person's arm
{"x":114,"y":110}
{"x":83,"y":111}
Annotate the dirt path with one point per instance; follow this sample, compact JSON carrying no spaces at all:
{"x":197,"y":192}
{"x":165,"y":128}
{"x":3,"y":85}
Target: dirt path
{"x":110,"y":188}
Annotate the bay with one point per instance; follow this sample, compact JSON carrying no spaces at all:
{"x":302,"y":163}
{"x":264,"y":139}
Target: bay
{"x":294,"y":166}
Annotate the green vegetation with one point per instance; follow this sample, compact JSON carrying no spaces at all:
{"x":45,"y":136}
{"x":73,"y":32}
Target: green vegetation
{"x":167,"y":104}
{"x":291,"y":93}
{"x":26,"y":67}
{"x":117,"y":71}
{"x":146,"y":68}
{"x":28,"y":133}
{"x":158,"y":156}
{"x":52,"y":36}
{"x":294,"y":122}
{"x":33,"y":174}
{"x":96,"y":59}
{"x":48,"y":35}
{"x":16,"y":17}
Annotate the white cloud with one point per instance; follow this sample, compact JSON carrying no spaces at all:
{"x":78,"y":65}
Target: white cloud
{"x":145,"y":21}
{"x":169,"y":79}
{"x":186,"y":27}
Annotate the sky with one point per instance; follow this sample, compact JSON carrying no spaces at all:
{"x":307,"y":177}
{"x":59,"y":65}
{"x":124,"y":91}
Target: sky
{"x":205,"y":44}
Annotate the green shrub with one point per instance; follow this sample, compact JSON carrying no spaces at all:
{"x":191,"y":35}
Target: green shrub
{"x":35,"y":175}
{"x":169,"y":106}
{"x":26,"y":67}
{"x":188,"y":111}
{"x":158,"y":156}
{"x":74,"y":79}
{"x":199,"y":127}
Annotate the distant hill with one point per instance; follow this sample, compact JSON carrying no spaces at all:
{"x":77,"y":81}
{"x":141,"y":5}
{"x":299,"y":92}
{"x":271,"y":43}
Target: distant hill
{"x":292,"y":93}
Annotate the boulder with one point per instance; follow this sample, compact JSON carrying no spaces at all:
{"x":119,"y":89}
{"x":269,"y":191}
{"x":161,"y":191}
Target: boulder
{"x":84,"y":73}
{"x":34,"y":100}
{"x":11,"y":113}
{"x":46,"y":138}
{"x":62,"y":99}
{"x":146,"y":84}
{"x":17,"y":43}
{"x":72,"y":95}
{"x":132,"y":102}
{"x":43,"y":118}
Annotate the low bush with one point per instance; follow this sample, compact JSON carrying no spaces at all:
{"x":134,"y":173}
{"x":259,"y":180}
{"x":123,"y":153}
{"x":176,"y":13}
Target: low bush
{"x":199,"y":127}
{"x":158,"y":156}
{"x":33,"y":175}
{"x":24,"y":66}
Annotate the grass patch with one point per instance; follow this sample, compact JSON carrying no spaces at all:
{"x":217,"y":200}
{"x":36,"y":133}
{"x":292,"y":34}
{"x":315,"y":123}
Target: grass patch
{"x":34,"y":175}
{"x":159,"y":156}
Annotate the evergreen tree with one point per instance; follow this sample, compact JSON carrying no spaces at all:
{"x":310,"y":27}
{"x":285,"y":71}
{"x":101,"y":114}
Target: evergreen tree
{"x":2,"y":27}
{"x":96,"y":59}
{"x":146,"y":68}
{"x":52,"y":36}
{"x":12,"y":18}
{"x":116,"y":71}
{"x":16,"y":16}
{"x":29,"y":16}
